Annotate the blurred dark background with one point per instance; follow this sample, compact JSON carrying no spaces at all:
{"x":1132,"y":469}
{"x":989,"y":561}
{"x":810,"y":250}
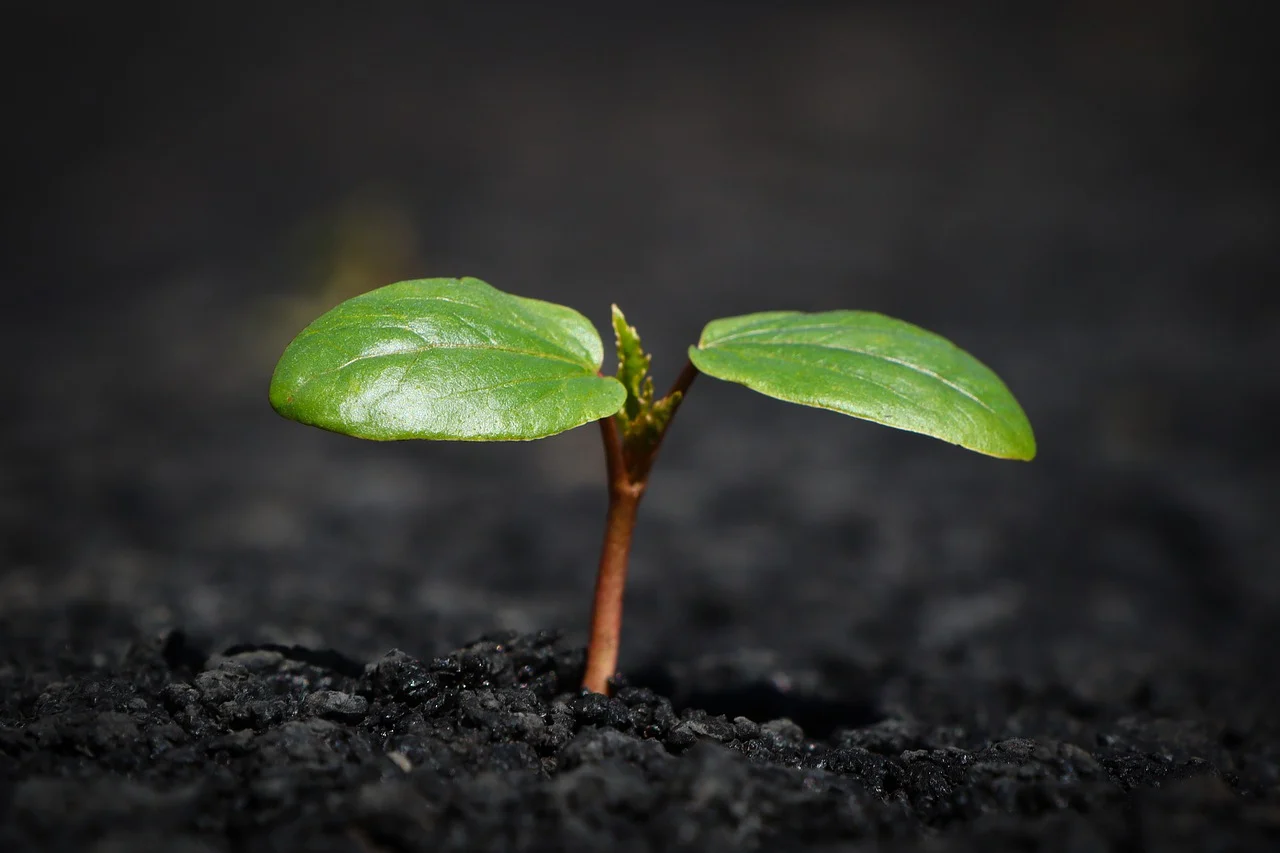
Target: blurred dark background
{"x":1082,"y":194}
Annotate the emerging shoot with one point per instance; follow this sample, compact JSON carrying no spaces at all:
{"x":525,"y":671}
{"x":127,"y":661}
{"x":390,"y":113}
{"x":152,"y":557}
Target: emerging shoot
{"x":457,"y":359}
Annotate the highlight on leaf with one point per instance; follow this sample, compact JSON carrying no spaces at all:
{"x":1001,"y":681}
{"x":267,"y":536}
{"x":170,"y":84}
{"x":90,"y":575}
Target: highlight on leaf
{"x":872,"y":367}
{"x":453,"y":358}
{"x":445,"y":359}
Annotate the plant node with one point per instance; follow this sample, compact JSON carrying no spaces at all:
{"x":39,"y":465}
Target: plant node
{"x":642,"y":421}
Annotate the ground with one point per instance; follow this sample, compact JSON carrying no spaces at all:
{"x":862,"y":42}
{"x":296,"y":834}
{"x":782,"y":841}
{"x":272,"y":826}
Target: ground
{"x":220,"y":630}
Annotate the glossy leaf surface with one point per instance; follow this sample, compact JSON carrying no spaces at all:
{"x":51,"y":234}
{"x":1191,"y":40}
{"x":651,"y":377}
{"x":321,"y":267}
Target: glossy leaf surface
{"x":445,"y":358}
{"x":873,"y":367}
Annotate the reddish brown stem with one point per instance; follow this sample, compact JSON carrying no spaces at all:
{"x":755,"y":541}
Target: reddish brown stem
{"x":611,"y":581}
{"x":628,"y":478}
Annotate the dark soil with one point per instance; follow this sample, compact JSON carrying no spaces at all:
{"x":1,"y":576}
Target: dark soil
{"x":838,"y":637}
{"x":285,"y":748}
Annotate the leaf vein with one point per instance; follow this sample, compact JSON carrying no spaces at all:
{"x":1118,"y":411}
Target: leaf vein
{"x":422,"y":350}
{"x":905,"y":364}
{"x":845,"y":375}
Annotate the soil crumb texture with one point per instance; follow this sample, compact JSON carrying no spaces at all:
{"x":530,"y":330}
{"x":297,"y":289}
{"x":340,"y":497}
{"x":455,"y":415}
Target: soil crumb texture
{"x":492,"y":748}
{"x":223,"y":631}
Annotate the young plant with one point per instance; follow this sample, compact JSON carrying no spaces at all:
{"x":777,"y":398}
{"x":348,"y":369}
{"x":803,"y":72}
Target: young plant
{"x":457,"y":359}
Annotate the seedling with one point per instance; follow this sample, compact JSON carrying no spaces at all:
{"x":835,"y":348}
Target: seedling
{"x":456,"y":359}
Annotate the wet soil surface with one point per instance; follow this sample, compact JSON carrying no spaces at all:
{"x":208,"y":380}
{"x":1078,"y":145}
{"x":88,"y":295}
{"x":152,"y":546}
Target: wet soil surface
{"x":838,"y":637}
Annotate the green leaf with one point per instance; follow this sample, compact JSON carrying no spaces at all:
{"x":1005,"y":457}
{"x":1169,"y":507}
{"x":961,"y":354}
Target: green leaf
{"x":642,"y":420}
{"x":633,"y":366}
{"x":873,"y":367}
{"x":445,"y":358}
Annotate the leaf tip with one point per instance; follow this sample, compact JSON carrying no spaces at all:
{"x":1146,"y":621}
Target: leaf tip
{"x":1020,"y":445}
{"x":623,"y":332}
